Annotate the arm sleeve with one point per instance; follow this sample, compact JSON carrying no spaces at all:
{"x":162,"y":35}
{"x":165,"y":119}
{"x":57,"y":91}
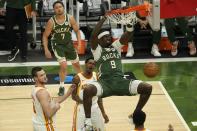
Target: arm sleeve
{"x":2,"y":2}
{"x":97,"y":52}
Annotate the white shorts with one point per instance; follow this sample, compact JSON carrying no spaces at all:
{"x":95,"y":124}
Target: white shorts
{"x":96,"y":117}
{"x":63,"y":59}
{"x":49,"y":127}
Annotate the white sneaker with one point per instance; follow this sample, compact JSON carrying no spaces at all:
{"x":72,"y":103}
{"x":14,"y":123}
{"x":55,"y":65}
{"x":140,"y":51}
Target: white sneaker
{"x":88,"y":125}
{"x":155,"y":51}
{"x":192,"y":48}
{"x":174,"y":50}
{"x":130,"y":50}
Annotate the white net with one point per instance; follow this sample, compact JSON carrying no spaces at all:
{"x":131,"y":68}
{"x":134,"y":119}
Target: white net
{"x":123,"y":18}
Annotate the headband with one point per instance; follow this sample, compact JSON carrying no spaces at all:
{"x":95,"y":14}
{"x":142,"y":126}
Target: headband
{"x":103,"y":34}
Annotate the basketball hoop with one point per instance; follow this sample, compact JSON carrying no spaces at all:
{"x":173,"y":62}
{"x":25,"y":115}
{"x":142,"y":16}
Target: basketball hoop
{"x":123,"y":18}
{"x":126,"y":15}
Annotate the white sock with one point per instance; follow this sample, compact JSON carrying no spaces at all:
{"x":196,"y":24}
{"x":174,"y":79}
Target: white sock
{"x":130,"y":45}
{"x":61,"y":84}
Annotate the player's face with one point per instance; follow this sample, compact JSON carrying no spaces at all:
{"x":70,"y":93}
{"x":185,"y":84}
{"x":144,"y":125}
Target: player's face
{"x":90,"y":65}
{"x":59,"y":9}
{"x":106,"y":41}
{"x":41,"y":77}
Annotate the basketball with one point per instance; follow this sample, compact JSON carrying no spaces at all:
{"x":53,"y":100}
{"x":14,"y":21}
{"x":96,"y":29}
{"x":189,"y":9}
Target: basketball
{"x":151,"y":69}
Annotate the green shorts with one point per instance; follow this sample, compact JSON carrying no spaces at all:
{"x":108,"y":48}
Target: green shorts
{"x":118,"y":86}
{"x":65,"y":52}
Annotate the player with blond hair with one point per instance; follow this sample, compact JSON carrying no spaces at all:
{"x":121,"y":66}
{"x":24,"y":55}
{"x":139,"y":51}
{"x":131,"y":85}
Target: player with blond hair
{"x":44,"y":107}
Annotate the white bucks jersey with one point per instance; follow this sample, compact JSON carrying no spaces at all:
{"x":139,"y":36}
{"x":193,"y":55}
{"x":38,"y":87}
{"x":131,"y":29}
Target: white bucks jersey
{"x":38,"y":115}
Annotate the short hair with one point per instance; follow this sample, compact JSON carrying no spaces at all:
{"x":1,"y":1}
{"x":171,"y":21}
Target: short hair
{"x":139,"y":118}
{"x":87,"y":59}
{"x":58,"y":2}
{"x":35,"y":70}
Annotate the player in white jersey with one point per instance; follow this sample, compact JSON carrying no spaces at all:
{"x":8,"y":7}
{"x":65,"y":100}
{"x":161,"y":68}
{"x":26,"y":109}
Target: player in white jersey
{"x":99,"y":116}
{"x":44,"y":108}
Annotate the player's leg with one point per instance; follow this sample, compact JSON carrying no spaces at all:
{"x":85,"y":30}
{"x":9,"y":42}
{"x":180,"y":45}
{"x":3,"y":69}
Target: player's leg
{"x":22,"y":22}
{"x":170,"y":25}
{"x":155,"y":41}
{"x":62,"y":75}
{"x":123,"y":87}
{"x":97,"y":118}
{"x":130,"y":49}
{"x":10,"y":19}
{"x":91,"y":90}
{"x":59,"y":52}
{"x":77,"y":67}
{"x":80,"y":118}
{"x":183,"y":24}
{"x":72,"y":55}
{"x":75,"y":64}
{"x":144,"y":90}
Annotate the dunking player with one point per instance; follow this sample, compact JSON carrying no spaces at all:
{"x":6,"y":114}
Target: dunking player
{"x":97,"y":110}
{"x":59,"y":27}
{"x":111,"y":82}
{"x":43,"y":106}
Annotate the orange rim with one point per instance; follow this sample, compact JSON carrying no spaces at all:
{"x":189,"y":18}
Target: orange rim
{"x":125,"y":10}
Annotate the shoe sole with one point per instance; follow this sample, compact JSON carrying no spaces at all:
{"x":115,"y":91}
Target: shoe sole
{"x":14,"y":56}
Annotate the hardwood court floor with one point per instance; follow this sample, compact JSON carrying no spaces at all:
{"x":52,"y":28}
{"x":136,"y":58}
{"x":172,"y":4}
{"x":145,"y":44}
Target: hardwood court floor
{"x":16,"y":111}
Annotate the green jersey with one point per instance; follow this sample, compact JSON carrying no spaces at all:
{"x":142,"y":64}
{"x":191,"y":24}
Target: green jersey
{"x":108,"y":60}
{"x":61,"y":33}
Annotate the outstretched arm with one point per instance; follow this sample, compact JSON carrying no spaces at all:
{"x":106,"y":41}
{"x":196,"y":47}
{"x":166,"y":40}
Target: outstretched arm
{"x":60,"y":99}
{"x":94,"y":39}
{"x":45,"y":36}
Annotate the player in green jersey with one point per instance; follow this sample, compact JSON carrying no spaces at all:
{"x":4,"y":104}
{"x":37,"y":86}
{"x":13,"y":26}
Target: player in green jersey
{"x":59,"y":28}
{"x":111,"y":82}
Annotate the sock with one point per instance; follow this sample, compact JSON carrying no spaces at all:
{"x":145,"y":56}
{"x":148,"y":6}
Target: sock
{"x":61,"y":84}
{"x":130,"y":45}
